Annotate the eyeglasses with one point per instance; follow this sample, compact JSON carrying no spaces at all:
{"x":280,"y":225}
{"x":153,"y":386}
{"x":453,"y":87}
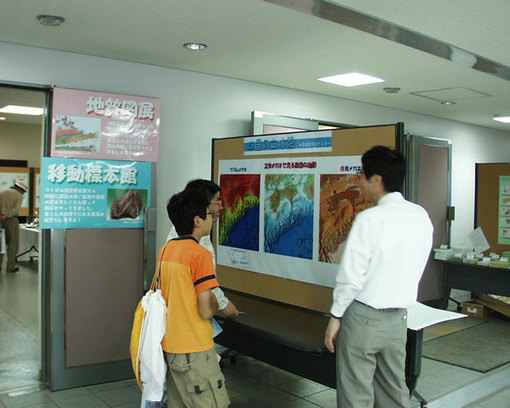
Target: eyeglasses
{"x":220,"y":202}
{"x":212,"y":214}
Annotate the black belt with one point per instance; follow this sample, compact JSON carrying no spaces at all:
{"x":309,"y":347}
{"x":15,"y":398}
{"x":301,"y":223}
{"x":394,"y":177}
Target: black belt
{"x":388,"y":309}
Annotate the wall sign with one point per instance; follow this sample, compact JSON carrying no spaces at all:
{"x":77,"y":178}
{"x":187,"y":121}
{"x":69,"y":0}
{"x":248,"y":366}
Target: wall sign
{"x":108,"y":126}
{"x":79,"y":193}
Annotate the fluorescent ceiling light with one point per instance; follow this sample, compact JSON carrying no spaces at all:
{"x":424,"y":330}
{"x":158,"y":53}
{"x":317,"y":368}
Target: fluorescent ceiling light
{"x":22,"y":110}
{"x":504,"y":119}
{"x":351,"y":79}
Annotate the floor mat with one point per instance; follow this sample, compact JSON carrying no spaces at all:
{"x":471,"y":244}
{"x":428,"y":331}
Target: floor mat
{"x":481,"y":348}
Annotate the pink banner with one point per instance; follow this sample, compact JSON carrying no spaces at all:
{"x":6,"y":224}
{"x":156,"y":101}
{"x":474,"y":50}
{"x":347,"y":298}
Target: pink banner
{"x":98,"y":125}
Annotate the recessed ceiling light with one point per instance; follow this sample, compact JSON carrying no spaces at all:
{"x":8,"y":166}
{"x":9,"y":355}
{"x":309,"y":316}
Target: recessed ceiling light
{"x":351,"y":79}
{"x":504,"y":119}
{"x":447,"y":103}
{"x":193,"y":46}
{"x":52,"y":21}
{"x":22,"y":110}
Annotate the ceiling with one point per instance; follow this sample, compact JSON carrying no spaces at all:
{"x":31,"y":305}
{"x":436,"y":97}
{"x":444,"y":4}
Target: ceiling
{"x":291,"y":43}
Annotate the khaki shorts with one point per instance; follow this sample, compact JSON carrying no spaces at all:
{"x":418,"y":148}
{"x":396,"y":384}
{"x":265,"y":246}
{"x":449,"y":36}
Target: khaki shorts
{"x":195,"y":381}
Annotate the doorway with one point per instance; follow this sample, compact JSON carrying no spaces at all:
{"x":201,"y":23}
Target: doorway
{"x":21,"y":140}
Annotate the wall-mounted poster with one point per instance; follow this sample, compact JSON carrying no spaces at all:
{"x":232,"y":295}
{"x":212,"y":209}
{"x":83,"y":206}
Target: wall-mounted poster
{"x":504,"y":210}
{"x":96,"y":125}
{"x":8,"y":176}
{"x":80,"y":193}
{"x":288,"y":217}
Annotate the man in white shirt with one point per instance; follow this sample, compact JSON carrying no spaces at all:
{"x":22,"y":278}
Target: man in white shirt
{"x":211,"y":191}
{"x":385,"y":255}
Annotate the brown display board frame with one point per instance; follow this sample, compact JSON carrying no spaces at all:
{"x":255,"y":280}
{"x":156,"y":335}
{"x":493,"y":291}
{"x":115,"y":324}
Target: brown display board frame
{"x":487,"y":202}
{"x":345,"y":142}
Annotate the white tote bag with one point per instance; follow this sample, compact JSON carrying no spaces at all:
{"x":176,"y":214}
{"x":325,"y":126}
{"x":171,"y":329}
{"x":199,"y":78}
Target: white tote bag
{"x":152,"y":361}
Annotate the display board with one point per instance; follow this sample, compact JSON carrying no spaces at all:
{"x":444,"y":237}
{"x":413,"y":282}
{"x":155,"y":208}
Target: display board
{"x":492,"y":204}
{"x":288,"y":203}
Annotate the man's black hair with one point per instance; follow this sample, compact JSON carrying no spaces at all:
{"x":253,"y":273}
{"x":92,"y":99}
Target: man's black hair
{"x":205,"y":187}
{"x":182,"y":209}
{"x":389,"y":164}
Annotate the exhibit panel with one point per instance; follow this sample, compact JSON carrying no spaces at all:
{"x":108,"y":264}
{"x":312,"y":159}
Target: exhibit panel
{"x":492,"y":204}
{"x":289,"y":201}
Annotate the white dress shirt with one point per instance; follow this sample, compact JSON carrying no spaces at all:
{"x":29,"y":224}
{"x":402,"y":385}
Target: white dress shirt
{"x":385,"y":255}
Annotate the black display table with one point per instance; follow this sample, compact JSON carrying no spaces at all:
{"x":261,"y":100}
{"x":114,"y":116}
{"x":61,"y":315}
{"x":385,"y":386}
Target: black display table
{"x":292,"y":339}
{"x":477,"y":279}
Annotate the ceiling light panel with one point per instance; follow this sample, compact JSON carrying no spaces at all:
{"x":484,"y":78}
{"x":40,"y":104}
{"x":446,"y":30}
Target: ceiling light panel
{"x":504,"y":119}
{"x":351,"y":79}
{"x":22,"y":110}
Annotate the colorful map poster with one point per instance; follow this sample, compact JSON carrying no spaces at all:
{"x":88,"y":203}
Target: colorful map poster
{"x":341,"y":198}
{"x":504,"y":210}
{"x":239,"y":220}
{"x":288,"y":217}
{"x":96,"y":125}
{"x":78,"y":193}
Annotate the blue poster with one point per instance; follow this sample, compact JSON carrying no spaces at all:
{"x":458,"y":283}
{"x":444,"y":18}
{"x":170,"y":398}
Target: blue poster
{"x":78,"y":193}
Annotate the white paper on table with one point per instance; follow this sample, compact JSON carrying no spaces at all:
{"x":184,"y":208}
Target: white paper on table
{"x":420,"y":316}
{"x":478,"y":240}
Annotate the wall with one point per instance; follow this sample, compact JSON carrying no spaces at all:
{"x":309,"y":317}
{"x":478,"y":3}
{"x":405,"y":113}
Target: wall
{"x":197,"y":107}
{"x":21,"y":142}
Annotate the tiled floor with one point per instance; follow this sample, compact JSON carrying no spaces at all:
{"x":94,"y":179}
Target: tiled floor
{"x":251,"y":383}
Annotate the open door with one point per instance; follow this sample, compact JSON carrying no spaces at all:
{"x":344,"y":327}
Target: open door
{"x":429,"y":184}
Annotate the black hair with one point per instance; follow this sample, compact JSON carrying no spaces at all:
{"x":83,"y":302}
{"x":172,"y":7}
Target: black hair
{"x":205,"y":187}
{"x":182,"y":209}
{"x":389,"y":164}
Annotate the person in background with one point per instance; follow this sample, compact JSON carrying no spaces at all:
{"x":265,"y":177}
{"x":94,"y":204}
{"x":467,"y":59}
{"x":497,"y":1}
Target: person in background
{"x":386,"y":252}
{"x":194,"y":378}
{"x":211,"y":191}
{"x":10,"y":203}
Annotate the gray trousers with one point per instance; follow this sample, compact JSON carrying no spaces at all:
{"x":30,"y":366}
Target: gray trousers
{"x":11,"y":227}
{"x":370,"y":353}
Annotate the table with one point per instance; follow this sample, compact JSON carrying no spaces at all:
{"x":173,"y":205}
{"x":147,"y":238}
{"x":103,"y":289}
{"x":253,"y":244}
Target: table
{"x":28,"y":242}
{"x":475,"y":278}
{"x":292,"y":339}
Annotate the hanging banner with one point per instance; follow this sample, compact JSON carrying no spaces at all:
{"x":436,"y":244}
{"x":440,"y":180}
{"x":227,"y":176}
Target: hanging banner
{"x":288,"y":217}
{"x":504,"y":210}
{"x":97,"y":125}
{"x":306,"y":142}
{"x":80,"y":193}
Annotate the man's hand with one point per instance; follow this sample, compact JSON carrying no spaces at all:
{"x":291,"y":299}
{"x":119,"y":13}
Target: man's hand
{"x":331,"y":333}
{"x":230,"y":310}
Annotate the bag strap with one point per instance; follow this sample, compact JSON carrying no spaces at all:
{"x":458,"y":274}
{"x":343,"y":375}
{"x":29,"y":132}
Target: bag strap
{"x":156,"y":280}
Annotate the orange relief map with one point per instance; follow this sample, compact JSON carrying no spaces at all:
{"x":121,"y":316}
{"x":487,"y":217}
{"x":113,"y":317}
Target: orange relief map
{"x":341,"y":198}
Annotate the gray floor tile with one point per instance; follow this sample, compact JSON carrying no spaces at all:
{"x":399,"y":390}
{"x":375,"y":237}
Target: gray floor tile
{"x":25,"y":400}
{"x":494,"y":402}
{"x":243,"y":385}
{"x":60,"y":396}
{"x":302,"y":387}
{"x":301,"y":403}
{"x":325,"y":399}
{"x":274,"y":376}
{"x":120,"y":396}
{"x":107,"y":386}
{"x":84,"y":401}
